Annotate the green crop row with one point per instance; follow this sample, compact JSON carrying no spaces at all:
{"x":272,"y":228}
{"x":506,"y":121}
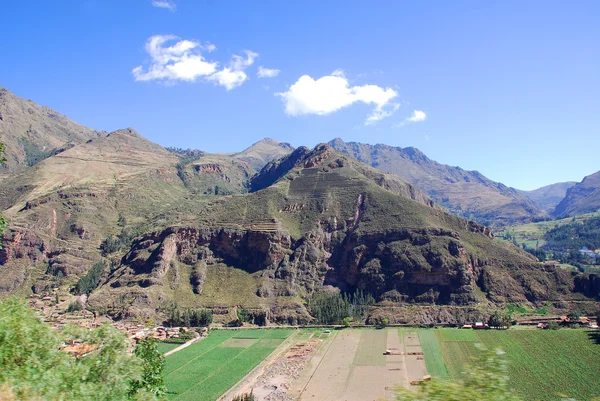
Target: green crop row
{"x":206,"y":370}
{"x":542,"y":365}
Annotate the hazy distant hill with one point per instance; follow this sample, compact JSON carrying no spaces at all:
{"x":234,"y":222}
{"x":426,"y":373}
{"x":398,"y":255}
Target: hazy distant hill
{"x":549,"y":196}
{"x":465,"y":193}
{"x":583,"y":197}
{"x":263,"y":151}
{"x":32,"y":132}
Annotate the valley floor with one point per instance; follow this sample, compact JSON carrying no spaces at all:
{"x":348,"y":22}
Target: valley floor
{"x":349,"y":364}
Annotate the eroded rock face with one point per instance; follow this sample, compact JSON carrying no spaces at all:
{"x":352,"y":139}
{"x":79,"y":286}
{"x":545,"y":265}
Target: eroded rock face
{"x":423,"y":266}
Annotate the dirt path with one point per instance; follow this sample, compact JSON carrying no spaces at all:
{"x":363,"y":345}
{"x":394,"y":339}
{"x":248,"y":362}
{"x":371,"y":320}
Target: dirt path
{"x":182,"y":346}
{"x":268,"y":381}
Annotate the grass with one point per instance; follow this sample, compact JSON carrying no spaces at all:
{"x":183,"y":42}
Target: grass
{"x":542,"y":365}
{"x":530,"y":234}
{"x":166,"y":347}
{"x":434,"y":359}
{"x":371,"y":340}
{"x":207,"y":369}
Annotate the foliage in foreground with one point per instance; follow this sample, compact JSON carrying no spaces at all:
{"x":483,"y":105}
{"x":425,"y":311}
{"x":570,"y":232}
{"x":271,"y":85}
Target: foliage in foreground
{"x":35,"y":367}
{"x":486,"y":380}
{"x":153,"y":365}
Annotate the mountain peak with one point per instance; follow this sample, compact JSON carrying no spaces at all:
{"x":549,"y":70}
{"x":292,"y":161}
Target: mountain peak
{"x":260,"y":153}
{"x":32,"y":132}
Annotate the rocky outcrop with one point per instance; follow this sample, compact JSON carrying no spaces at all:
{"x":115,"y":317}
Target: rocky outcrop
{"x":398,"y":266}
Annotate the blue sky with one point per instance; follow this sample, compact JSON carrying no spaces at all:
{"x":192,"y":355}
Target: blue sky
{"x":509,"y":88}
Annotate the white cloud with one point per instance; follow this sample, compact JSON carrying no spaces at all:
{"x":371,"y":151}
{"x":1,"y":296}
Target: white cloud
{"x":183,"y":61}
{"x":417,"y":116}
{"x":233,"y":75}
{"x":332,"y":93}
{"x":267,"y":72}
{"x":380,"y":113}
{"x":169,"y":5}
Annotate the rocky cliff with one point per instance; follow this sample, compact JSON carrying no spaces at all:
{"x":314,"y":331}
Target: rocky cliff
{"x":323,"y":223}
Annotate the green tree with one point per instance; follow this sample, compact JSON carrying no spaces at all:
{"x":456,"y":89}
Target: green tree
{"x":36,"y":367}
{"x":347,"y":321}
{"x":485,"y":380}
{"x":153,"y":364}
{"x":499,"y":320}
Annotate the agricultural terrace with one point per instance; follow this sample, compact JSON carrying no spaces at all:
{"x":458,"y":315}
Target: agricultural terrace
{"x":350,"y":365}
{"x":542,"y":365}
{"x":207,"y":369}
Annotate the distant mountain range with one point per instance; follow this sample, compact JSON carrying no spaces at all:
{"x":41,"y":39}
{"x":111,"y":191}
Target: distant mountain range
{"x":465,"y":193}
{"x":583,"y":197}
{"x":548,"y":197}
{"x":211,"y":230}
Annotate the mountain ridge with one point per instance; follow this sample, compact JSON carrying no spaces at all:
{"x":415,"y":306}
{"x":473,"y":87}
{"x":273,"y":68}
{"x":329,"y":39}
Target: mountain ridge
{"x":31,"y":132}
{"x":583,"y":197}
{"x":466,"y":193}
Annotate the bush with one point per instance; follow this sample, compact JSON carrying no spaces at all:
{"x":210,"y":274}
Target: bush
{"x":382,"y":323}
{"x":244,"y":397}
{"x":74,"y":306}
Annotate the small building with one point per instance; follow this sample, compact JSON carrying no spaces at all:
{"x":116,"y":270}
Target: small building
{"x":479,"y":326}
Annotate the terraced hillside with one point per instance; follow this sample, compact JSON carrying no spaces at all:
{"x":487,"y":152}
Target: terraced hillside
{"x":465,"y":193}
{"x":320,"y":219}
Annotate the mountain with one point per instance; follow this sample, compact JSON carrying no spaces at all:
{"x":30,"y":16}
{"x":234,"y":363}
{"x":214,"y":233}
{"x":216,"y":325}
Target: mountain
{"x":143,"y":229}
{"x":318,"y":220}
{"x":32,"y":132}
{"x":548,"y":197}
{"x":262,"y":152}
{"x":61,"y":210}
{"x":465,"y":193}
{"x":583,"y":197}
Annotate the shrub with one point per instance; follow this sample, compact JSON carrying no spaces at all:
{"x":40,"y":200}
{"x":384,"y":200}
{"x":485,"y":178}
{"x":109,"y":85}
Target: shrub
{"x":74,"y":306}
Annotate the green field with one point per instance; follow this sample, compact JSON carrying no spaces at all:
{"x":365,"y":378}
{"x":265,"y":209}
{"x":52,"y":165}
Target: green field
{"x":207,"y":369}
{"x":166,"y":347}
{"x":542,"y":365}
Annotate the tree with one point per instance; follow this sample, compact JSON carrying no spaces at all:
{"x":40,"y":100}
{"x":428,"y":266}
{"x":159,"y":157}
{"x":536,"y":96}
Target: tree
{"x":347,"y":321}
{"x":573,"y":318}
{"x":499,"y":320}
{"x":486,"y":380}
{"x":153,"y":364}
{"x":36,"y":366}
